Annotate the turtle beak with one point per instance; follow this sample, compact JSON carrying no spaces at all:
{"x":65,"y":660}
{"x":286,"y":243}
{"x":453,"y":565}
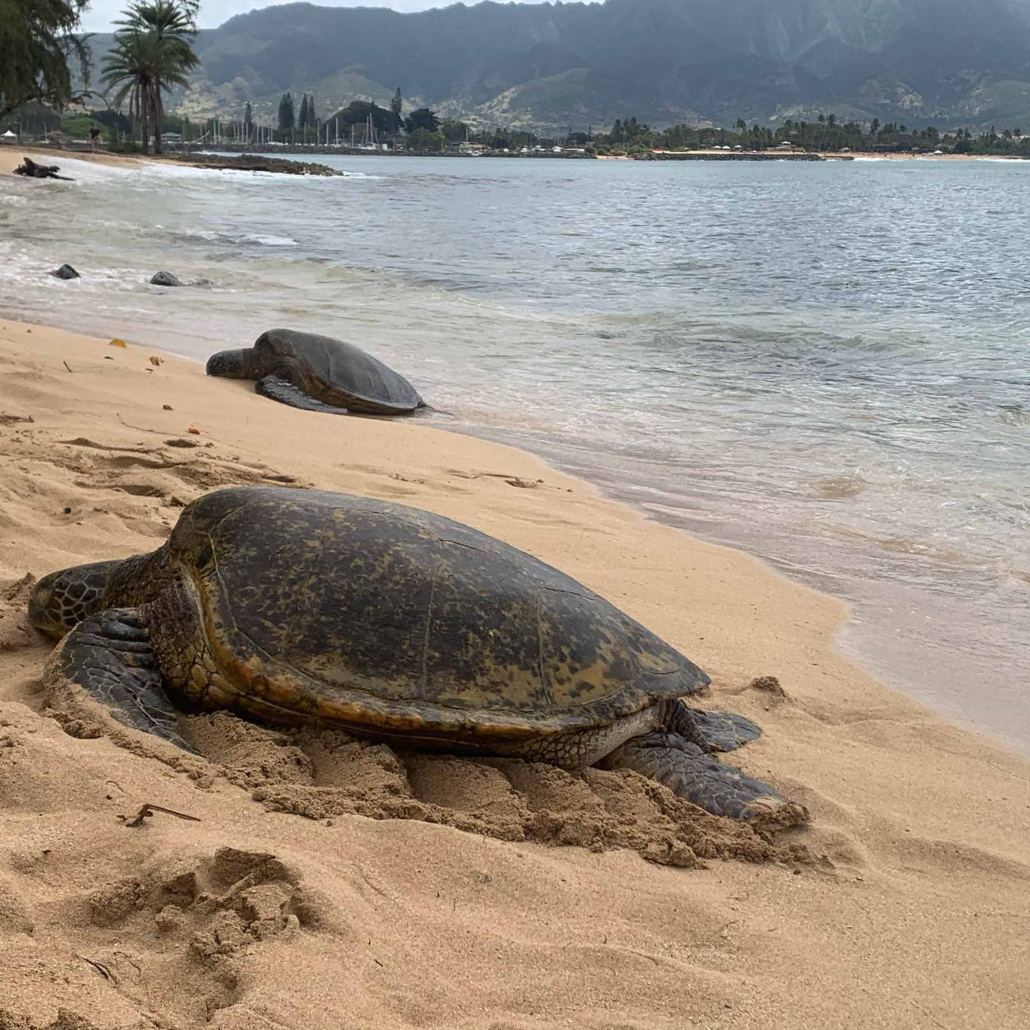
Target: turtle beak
{"x":229,"y":363}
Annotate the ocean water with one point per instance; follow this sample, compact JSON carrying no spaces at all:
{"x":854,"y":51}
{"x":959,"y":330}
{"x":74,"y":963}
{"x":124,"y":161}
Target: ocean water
{"x":827,"y":365}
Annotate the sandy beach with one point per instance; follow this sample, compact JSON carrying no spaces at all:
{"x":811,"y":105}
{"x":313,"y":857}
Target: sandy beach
{"x":330,"y":883}
{"x":12,"y":156}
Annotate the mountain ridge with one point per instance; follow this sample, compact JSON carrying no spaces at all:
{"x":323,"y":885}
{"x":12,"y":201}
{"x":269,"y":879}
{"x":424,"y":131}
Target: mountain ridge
{"x":547,"y":66}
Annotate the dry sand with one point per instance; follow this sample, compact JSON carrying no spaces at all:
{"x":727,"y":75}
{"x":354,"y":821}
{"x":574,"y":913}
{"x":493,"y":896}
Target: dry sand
{"x":332,"y":884}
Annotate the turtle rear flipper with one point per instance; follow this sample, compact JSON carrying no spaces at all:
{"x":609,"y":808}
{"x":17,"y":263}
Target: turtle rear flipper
{"x":285,"y":392}
{"x":704,"y":781}
{"x":108,"y":658}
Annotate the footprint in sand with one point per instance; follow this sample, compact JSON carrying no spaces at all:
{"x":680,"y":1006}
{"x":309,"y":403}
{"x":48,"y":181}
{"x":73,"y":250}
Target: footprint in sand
{"x":198,"y":921}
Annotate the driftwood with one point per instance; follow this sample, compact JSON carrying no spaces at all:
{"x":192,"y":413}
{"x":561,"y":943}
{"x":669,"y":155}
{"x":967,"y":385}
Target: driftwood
{"x":34,"y":171}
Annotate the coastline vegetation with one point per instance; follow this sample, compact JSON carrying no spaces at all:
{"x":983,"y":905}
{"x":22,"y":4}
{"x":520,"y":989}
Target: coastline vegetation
{"x":825,"y":135}
{"x":152,"y":52}
{"x":40,"y":45}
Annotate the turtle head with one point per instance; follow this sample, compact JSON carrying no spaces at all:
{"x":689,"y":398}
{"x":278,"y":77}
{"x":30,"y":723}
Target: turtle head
{"x":234,"y":364}
{"x":63,"y":599}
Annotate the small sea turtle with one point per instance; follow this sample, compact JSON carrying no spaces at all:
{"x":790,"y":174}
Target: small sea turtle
{"x":318,"y":373}
{"x":393,"y":624}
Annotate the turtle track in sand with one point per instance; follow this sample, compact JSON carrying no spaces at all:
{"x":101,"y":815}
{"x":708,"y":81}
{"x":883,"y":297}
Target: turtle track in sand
{"x":326,"y":774}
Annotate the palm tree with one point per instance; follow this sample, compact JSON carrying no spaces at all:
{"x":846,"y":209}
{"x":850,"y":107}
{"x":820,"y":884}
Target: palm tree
{"x":151,"y":53}
{"x":129,"y":69}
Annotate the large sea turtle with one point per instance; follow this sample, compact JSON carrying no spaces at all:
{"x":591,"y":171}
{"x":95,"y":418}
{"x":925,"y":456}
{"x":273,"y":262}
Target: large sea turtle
{"x":318,"y":373}
{"x":394,"y":624}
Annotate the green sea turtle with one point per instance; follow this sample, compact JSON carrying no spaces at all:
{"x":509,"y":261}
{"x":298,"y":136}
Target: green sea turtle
{"x":318,"y":373}
{"x":391,"y":623}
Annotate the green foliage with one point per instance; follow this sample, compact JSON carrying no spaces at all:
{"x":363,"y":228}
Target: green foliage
{"x":302,"y":118}
{"x":248,"y":116}
{"x":397,"y":103}
{"x":34,"y":118}
{"x":453,"y":130}
{"x":357,"y":112}
{"x":37,"y":42}
{"x":151,"y":53}
{"x":423,"y":118}
{"x":423,"y":139}
{"x":628,"y":131}
{"x":287,"y":116}
{"x":825,"y":134}
{"x":506,"y":139}
{"x":76,"y":125}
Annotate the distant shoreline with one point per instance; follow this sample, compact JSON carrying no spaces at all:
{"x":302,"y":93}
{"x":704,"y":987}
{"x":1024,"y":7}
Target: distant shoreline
{"x":262,"y":160}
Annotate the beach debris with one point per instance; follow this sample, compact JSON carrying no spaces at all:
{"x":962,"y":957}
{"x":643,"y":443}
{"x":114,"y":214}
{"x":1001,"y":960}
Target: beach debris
{"x":167,"y":407}
{"x":64,"y":272}
{"x":155,"y":360}
{"x":29,"y":168}
{"x":181,"y":443}
{"x":194,"y":430}
{"x":148,"y":809}
{"x":118,"y":342}
{"x":99,"y":967}
{"x":67,"y":366}
{"x":769,"y":685}
{"x":6,"y":420}
{"x":164,"y":279}
{"x":85,"y":441}
{"x":508,"y":477}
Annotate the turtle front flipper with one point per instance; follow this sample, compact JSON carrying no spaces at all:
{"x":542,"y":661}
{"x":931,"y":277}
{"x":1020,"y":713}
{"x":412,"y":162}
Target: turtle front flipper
{"x":688,"y":771}
{"x":712,"y":731}
{"x":107,"y":660}
{"x":285,"y":392}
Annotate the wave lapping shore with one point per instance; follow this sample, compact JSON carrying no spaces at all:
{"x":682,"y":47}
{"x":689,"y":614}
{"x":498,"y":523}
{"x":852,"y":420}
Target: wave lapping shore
{"x":332,"y":883}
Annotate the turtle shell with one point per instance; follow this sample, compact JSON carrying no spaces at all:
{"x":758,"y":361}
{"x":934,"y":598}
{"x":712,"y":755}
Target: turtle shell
{"x":365,"y":383}
{"x":390,"y":619}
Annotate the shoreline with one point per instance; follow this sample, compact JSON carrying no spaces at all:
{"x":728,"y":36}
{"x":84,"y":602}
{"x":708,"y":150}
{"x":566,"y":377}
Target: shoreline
{"x":916,"y":822}
{"x":858,"y":651}
{"x":983,"y":712}
{"x":11,"y":156}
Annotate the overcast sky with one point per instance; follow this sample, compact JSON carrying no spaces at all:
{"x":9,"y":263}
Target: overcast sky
{"x":102,"y":13}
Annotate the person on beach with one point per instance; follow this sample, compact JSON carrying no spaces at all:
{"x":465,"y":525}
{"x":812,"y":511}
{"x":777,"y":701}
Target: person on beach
{"x":94,"y":137}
